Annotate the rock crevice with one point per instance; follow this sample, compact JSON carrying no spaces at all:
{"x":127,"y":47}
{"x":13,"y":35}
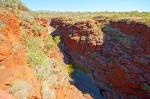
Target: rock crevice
{"x":117,"y":53}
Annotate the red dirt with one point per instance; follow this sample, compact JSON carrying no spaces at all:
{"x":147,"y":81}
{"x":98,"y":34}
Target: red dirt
{"x":13,"y":63}
{"x":12,"y":52}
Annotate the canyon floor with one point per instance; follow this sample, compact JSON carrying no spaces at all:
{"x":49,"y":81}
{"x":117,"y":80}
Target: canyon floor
{"x":54,"y":55}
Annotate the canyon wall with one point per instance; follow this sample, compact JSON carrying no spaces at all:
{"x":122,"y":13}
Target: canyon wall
{"x":14,"y":70}
{"x":139,"y":30}
{"x":116,"y":52}
{"x":18,"y":80}
{"x":12,"y":52}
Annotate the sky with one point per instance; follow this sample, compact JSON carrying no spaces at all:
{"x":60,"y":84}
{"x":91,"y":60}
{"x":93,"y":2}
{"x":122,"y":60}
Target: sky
{"x":88,"y":5}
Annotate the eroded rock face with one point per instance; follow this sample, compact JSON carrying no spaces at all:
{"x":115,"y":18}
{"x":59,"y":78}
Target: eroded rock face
{"x":117,"y":54}
{"x":12,"y":52}
{"x":44,"y":23}
{"x":13,"y":63}
{"x":18,"y":79}
{"x":138,"y":30}
{"x":4,"y":95}
{"x":69,"y":92}
{"x":57,"y":85}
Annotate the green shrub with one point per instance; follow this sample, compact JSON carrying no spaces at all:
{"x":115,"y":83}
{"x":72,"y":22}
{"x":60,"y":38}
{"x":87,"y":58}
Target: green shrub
{"x":20,"y":89}
{"x":38,"y":28}
{"x":57,"y":39}
{"x":25,"y":16}
{"x":44,"y":71}
{"x":49,"y":43}
{"x":13,"y":4}
{"x":36,"y":56}
{"x":74,"y":66}
{"x":69,"y":68}
{"x":23,"y":32}
{"x":33,"y":42}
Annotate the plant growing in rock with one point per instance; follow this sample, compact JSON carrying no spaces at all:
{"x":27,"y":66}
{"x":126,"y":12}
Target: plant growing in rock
{"x":25,"y":16}
{"x":20,"y":89}
{"x":69,"y":68}
{"x":36,"y":57}
{"x":38,"y":29}
{"x":13,"y":4}
{"x":57,"y":39}
{"x":49,"y":42}
{"x":43,"y":71}
{"x":80,"y":67}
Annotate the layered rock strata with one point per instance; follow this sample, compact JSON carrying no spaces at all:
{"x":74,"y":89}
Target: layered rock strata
{"x":116,"y":52}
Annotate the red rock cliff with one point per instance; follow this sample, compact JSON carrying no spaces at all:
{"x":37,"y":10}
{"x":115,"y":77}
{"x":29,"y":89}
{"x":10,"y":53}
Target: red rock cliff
{"x":117,"y":54}
{"x":13,"y":63}
{"x":12,"y":52}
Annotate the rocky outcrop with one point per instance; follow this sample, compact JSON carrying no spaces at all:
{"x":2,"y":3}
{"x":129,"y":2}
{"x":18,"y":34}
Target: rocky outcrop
{"x":13,"y":63}
{"x":12,"y":52}
{"x":35,"y":27}
{"x":117,"y":54}
{"x":57,"y":85}
{"x":57,"y":80}
{"x":69,"y":92}
{"x":139,"y":30}
{"x":44,"y":24}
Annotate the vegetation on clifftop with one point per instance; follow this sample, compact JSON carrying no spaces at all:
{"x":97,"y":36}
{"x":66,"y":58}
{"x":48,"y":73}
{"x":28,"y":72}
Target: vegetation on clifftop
{"x":73,"y":17}
{"x":13,"y":4}
{"x":48,"y":70}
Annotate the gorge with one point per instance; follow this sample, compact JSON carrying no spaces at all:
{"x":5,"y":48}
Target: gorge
{"x":116,"y":52}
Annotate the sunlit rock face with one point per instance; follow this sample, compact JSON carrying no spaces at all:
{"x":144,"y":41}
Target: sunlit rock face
{"x":13,"y":62}
{"x":116,"y":52}
{"x":12,"y":52}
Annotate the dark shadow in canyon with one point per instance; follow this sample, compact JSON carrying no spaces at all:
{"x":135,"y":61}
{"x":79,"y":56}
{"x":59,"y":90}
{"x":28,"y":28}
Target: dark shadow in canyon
{"x":83,"y":81}
{"x":118,"y":47}
{"x":67,"y":58}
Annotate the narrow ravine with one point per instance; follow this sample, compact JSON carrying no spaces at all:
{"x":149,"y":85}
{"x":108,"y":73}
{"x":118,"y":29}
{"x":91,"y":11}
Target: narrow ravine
{"x":81,"y":79}
{"x":112,"y":50}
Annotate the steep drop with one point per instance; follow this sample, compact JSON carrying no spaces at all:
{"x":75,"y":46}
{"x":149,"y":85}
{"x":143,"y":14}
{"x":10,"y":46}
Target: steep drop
{"x":118,"y":58}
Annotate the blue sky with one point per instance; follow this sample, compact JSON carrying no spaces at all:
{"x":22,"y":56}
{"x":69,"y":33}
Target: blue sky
{"x":88,"y":5}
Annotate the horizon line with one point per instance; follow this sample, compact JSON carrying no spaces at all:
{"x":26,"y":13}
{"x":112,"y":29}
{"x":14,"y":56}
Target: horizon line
{"x":88,"y":11}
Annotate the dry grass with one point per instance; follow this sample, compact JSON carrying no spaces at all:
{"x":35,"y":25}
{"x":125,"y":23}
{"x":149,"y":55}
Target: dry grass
{"x":20,"y":89}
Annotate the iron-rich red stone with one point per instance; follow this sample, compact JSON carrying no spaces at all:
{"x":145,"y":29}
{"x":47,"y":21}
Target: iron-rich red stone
{"x":117,"y":53}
